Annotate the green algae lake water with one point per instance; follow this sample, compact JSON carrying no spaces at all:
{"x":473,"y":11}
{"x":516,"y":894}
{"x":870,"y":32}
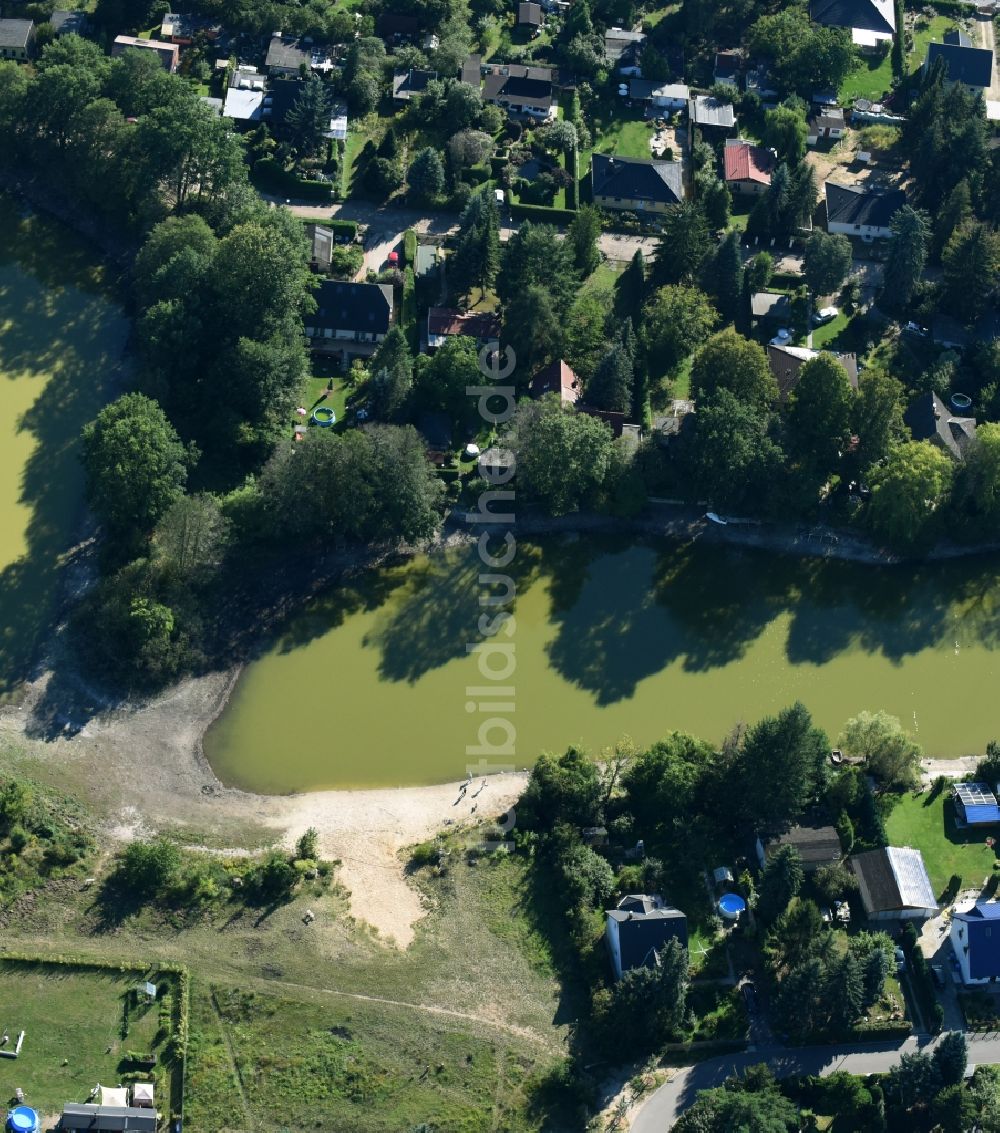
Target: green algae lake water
{"x":61,"y":341}
{"x":368,"y":686}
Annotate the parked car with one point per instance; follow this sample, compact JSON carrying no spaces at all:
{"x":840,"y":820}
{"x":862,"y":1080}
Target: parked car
{"x":825,"y":315}
{"x":750,"y":998}
{"x":916,"y":328}
{"x":900,"y":959}
{"x":937,"y":971}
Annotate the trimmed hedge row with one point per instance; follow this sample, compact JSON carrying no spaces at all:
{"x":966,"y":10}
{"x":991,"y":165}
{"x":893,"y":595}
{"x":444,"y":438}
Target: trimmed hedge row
{"x":543,"y":214}
{"x":344,"y":229}
{"x":410,"y":247}
{"x":269,"y":175}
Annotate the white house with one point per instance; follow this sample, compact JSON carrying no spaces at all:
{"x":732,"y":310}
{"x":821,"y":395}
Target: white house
{"x":853,"y":211}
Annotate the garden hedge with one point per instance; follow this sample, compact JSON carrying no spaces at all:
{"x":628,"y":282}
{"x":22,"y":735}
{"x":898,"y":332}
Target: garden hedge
{"x":269,"y":175}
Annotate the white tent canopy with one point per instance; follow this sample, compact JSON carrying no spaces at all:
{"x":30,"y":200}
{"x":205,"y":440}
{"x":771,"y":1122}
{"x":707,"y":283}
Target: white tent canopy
{"x":117,"y":1096}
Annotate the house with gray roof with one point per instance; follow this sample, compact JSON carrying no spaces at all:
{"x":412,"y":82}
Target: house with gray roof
{"x":635,"y":184}
{"x":711,"y":114}
{"x":285,"y":56}
{"x":639,"y":928}
{"x":853,"y":210}
{"x":350,"y":318}
{"x":970,"y":66}
{"x":929,"y":419}
{"x":409,"y":84}
{"x":67,"y":22}
{"x":894,"y":885}
{"x":16,"y":39}
{"x":870,"y":22}
{"x":817,"y":844}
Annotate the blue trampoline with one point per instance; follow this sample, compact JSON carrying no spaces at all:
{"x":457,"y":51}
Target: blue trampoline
{"x":731,"y":905}
{"x":23,"y":1119}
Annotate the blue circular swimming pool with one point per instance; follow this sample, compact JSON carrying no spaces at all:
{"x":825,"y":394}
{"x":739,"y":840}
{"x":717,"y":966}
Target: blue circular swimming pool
{"x":731,"y":905}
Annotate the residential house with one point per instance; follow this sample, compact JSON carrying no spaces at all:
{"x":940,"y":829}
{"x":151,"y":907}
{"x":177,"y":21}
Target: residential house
{"x":409,"y":84}
{"x":747,"y":168}
{"x":825,"y":122}
{"x":521,"y":90}
{"x":639,"y":928}
{"x":624,"y":49}
{"x":929,"y":419}
{"x":181,"y":28}
{"x":69,"y":22}
{"x":395,"y":28}
{"x":285,"y":56}
{"x":660,"y":97}
{"x":975,"y":939}
{"x":710,"y":114}
{"x":855,"y":211}
{"x":770,"y":306}
{"x":758,"y":81}
{"x":558,"y":378}
{"x":350,"y":318}
{"x":817,"y":846}
{"x":950,"y":333}
{"x":446,"y":322}
{"x":975,"y":805}
{"x":619,"y":424}
{"x":894,"y":885}
{"x":726,"y":72}
{"x":169,"y":54}
{"x":635,"y":184}
{"x":530,"y":16}
{"x":245,"y":96}
{"x":17,"y":38}
{"x":786,"y":362}
{"x":282,"y":94}
{"x":871,"y":22}
{"x":970,"y":66}
{"x":105,"y":1118}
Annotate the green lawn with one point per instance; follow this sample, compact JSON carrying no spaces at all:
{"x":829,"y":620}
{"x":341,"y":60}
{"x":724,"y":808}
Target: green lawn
{"x":316,"y":387}
{"x":929,"y":826}
{"x":73,"y":1024}
{"x":872,"y":79}
{"x":935,"y":29}
{"x":823,"y":337}
{"x":615,"y":132}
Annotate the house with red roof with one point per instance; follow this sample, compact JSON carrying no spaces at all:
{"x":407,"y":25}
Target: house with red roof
{"x":747,"y":167}
{"x":558,"y":378}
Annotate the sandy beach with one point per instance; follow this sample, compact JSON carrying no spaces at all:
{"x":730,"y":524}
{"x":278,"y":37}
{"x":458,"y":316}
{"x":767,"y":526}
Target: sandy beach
{"x":143,"y":768}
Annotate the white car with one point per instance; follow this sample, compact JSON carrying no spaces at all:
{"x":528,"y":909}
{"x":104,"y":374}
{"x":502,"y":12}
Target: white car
{"x":825,"y":315}
{"x":782,"y":338}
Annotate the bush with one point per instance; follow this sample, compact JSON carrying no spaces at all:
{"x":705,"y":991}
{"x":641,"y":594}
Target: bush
{"x":542,"y":214}
{"x":145,"y":868}
{"x":410,"y":247}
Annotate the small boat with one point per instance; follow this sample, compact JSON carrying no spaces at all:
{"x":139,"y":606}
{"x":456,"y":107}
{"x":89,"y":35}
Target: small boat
{"x":716,"y":518}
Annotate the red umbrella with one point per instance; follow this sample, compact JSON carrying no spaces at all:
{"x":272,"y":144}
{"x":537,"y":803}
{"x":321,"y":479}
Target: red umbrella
{"x":394,"y":257}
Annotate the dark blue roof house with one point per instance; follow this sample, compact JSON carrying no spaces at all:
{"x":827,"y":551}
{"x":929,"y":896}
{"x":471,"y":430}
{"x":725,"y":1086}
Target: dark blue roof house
{"x":975,"y":937}
{"x":976,"y":805}
{"x":639,"y":928}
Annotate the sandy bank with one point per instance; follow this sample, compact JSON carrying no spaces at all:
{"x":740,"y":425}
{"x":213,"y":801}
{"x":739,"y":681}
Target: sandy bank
{"x":144,"y":770}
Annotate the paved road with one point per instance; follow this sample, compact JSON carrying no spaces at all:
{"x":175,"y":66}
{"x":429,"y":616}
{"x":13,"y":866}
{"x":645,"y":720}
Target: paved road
{"x":659,"y":1112}
{"x":387,"y":225}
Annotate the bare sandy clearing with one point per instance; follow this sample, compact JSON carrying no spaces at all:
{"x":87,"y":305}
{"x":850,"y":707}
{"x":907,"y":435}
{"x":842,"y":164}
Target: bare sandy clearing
{"x":145,"y":771}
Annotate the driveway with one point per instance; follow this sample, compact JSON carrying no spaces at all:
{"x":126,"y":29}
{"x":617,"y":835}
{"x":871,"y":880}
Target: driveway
{"x":659,"y":1112}
{"x":987,"y":39}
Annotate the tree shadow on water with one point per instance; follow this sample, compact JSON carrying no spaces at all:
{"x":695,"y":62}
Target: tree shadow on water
{"x":60,"y":355}
{"x":644,"y":608}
